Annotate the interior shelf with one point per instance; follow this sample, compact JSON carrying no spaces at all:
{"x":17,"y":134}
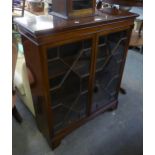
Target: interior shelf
{"x":56,"y":68}
{"x":59,"y":97}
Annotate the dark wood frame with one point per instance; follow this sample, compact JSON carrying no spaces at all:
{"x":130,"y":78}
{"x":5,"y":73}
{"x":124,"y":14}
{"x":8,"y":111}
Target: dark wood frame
{"x":35,"y":46}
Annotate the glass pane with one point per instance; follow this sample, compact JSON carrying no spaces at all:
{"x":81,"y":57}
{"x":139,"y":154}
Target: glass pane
{"x":111,"y":50}
{"x":68,"y":70}
{"x":82,"y":4}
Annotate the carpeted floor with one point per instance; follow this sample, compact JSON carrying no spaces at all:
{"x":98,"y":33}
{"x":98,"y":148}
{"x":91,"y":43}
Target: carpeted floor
{"x":113,"y":133}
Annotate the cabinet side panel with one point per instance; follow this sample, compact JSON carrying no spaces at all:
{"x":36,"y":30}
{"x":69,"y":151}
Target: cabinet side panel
{"x":34,"y":63}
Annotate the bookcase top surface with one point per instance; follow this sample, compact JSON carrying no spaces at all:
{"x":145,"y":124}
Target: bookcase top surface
{"x":48,"y":24}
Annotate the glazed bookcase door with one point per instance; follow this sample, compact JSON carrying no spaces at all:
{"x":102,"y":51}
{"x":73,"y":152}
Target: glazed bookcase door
{"x":69,"y":71}
{"x":110,"y":56}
